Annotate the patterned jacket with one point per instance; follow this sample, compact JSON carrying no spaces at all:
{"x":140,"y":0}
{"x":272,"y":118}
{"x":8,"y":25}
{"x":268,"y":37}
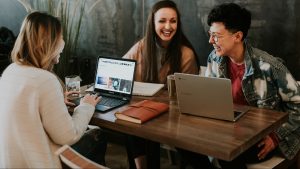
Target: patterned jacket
{"x":267,"y":83}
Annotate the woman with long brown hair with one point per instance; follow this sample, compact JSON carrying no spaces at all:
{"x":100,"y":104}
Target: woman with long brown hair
{"x":163,"y":51}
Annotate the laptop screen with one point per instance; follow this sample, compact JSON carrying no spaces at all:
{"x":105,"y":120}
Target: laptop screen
{"x":115,"y":76}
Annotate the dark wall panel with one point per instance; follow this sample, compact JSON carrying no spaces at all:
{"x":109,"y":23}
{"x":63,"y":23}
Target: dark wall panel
{"x":111,"y":27}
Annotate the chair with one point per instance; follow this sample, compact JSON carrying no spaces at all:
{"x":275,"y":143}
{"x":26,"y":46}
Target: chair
{"x":276,"y":162}
{"x":202,"y":70}
{"x":269,"y":164}
{"x":71,"y":159}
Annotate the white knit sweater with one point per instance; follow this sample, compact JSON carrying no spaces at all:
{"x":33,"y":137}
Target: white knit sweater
{"x":34,"y":121}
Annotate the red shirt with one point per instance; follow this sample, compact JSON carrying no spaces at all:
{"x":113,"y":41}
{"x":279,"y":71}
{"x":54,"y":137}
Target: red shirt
{"x":236,"y":73}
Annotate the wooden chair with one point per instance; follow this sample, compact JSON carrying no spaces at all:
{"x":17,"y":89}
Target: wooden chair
{"x":71,"y":159}
{"x":269,"y":164}
{"x":276,"y":162}
{"x":202,"y":70}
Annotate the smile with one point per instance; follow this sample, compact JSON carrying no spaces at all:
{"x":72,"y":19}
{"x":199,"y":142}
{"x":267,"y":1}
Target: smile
{"x":166,"y":33}
{"x":216,"y":47}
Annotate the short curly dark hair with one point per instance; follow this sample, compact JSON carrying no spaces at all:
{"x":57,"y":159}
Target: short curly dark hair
{"x":234,"y":17}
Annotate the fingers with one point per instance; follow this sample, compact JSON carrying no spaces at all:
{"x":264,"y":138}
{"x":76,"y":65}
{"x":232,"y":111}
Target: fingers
{"x":267,"y":145}
{"x":68,"y":103}
{"x":93,"y":96}
{"x":68,"y":93}
{"x":98,"y":98}
{"x":68,"y":97}
{"x":91,"y":99}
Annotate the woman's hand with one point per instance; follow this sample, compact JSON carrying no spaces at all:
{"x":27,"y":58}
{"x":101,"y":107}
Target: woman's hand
{"x":67,"y":97}
{"x":90,"y":99}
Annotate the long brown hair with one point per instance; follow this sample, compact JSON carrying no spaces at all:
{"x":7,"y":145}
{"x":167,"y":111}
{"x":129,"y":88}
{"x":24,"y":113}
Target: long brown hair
{"x":38,"y":40}
{"x":173,"y":55}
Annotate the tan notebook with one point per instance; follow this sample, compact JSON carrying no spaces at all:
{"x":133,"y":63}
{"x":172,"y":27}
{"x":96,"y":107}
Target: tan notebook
{"x":142,"y":111}
{"x":146,"y":89}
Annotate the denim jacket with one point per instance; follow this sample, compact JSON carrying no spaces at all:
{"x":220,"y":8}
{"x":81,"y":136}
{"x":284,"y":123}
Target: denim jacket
{"x":267,"y":83}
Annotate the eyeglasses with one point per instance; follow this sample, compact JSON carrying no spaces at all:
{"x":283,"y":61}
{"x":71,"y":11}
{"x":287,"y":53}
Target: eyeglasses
{"x":216,"y":37}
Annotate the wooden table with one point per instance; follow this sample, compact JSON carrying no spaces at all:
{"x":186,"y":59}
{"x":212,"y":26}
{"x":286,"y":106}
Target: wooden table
{"x":220,"y":139}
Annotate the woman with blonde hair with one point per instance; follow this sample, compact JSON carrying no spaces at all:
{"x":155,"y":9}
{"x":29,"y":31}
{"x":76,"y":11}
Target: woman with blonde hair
{"x":34,"y":120}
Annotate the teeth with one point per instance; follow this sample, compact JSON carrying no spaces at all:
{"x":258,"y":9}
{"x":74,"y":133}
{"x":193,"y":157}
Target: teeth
{"x":216,"y":47}
{"x":166,"y":32}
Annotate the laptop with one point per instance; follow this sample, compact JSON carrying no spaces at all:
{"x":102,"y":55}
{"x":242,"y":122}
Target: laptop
{"x":114,"y":82}
{"x":207,"y":97}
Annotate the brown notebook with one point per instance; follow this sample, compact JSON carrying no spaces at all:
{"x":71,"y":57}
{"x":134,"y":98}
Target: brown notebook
{"x":142,"y":111}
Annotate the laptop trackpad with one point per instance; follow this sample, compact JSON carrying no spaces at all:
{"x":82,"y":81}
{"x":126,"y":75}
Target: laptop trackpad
{"x":101,"y":108}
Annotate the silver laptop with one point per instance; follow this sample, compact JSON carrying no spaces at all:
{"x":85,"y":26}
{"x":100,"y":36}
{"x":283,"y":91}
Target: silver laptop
{"x":207,"y":97}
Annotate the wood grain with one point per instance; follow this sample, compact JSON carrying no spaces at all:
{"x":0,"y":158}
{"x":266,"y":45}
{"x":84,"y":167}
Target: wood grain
{"x":221,"y":139}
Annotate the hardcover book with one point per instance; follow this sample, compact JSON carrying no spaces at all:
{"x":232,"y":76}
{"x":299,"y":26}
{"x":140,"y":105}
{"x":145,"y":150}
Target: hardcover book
{"x":142,"y":111}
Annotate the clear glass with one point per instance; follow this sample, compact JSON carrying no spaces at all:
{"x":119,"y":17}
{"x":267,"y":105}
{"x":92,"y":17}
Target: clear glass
{"x":171,"y":88}
{"x":72,"y":83}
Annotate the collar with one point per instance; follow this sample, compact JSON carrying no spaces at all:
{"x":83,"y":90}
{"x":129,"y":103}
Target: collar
{"x":222,"y":61}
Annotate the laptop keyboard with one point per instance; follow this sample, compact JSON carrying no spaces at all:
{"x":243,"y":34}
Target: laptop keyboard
{"x":105,"y":101}
{"x":110,"y":102}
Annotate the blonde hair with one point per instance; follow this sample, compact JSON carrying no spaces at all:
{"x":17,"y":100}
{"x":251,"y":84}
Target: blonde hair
{"x":38,"y":41}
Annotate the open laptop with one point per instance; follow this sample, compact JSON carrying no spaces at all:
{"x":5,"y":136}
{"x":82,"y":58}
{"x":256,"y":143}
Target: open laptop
{"x":207,"y":97}
{"x":114,"y":82}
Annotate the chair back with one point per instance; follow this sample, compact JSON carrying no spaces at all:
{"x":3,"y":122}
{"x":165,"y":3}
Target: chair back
{"x":202,"y":70}
{"x":70,"y":159}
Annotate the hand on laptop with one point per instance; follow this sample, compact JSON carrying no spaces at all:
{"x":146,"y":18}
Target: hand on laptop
{"x":68,"y":97}
{"x":90,"y":99}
